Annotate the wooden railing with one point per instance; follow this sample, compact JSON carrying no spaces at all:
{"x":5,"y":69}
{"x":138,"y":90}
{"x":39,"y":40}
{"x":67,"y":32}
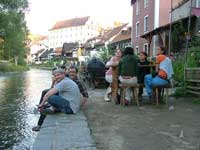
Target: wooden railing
{"x":192,"y":80}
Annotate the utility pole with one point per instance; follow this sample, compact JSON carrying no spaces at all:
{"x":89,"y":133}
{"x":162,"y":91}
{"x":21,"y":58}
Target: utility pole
{"x":170,"y":29}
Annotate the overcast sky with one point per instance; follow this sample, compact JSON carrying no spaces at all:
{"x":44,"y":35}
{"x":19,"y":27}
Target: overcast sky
{"x":43,"y":14}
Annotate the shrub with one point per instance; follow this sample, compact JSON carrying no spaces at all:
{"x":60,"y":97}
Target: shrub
{"x":179,"y":92}
{"x":8,"y":67}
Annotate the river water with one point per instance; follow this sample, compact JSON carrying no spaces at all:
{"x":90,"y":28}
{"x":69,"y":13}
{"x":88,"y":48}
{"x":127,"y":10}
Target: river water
{"x":19,"y":95}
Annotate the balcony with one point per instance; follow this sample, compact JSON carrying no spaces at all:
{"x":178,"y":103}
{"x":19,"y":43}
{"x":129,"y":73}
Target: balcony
{"x":180,"y":12}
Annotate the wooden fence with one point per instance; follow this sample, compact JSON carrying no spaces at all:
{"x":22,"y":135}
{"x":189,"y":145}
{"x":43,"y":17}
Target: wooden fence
{"x":192,"y":80}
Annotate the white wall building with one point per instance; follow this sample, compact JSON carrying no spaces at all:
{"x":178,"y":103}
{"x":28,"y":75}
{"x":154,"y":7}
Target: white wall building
{"x":72,"y":30}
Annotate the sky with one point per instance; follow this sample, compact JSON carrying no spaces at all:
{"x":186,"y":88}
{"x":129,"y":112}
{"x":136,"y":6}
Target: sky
{"x":43,"y":14}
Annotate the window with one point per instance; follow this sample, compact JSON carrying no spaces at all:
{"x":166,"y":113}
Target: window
{"x":198,"y":3}
{"x":146,"y":3}
{"x":146,"y":48}
{"x":137,"y":30}
{"x":145,"y":23}
{"x":137,"y":7}
{"x":137,"y":50}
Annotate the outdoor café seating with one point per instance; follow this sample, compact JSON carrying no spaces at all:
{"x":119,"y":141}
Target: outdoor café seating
{"x":160,"y":91}
{"x":135,"y":89}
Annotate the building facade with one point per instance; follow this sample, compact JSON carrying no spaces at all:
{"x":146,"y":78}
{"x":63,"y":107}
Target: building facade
{"x":147,"y":16}
{"x":72,"y":31}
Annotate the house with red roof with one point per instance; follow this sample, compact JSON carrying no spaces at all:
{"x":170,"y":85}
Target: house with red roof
{"x":75,"y":30}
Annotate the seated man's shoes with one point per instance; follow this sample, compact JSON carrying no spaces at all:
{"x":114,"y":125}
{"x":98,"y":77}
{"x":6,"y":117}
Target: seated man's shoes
{"x":36,"y":128}
{"x":49,"y":110}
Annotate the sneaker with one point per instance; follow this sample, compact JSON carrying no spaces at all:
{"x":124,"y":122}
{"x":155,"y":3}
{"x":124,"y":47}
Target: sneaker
{"x":36,"y":128}
{"x":107,"y":99}
{"x":49,"y":110}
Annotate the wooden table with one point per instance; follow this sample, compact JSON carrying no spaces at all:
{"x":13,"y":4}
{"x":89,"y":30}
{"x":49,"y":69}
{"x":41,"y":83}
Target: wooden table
{"x":151,"y":66}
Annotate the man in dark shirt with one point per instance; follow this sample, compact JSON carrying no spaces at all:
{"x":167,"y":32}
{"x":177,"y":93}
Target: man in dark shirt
{"x":73,"y":75}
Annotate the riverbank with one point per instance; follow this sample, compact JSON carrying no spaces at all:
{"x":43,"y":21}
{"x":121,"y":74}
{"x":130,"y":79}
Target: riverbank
{"x":114,"y":127}
{"x":8,"y":67}
{"x":41,"y":67}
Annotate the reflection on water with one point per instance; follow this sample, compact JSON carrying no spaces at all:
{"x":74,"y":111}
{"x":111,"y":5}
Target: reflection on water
{"x":19,"y":93}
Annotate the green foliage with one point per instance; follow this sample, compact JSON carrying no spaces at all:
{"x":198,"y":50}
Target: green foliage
{"x":105,"y":54}
{"x":13,"y":30}
{"x":179,"y":92}
{"x":195,"y":41}
{"x":178,"y":67}
{"x":196,"y":101}
{"x":178,"y":36}
{"x":193,"y":56}
{"x":7,"y":67}
{"x":45,"y":64}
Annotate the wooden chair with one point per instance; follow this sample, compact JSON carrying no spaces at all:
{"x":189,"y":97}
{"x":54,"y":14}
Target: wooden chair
{"x":135,"y":89}
{"x":159,"y":91}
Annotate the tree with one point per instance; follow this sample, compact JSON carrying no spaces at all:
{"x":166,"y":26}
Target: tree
{"x":13,"y":29}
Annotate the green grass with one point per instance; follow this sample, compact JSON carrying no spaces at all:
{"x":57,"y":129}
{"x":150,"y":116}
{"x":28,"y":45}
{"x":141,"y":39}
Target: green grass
{"x":8,"y":67}
{"x":196,"y":101}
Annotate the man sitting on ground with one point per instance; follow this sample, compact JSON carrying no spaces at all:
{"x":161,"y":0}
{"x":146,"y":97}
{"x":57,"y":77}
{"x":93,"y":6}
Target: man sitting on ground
{"x":68,"y":100}
{"x":43,"y":116}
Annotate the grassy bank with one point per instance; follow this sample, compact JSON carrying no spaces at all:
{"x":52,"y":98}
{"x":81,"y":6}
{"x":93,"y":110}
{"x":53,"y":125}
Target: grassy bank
{"x":7,"y":67}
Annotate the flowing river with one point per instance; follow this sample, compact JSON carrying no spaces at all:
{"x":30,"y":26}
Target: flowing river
{"x":19,"y":95}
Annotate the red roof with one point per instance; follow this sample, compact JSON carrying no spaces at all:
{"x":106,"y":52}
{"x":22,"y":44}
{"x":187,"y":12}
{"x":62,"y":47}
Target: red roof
{"x":58,"y":50}
{"x":123,"y":35}
{"x":109,"y":34}
{"x":70,"y":23}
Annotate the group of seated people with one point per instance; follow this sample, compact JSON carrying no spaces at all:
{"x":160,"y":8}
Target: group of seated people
{"x":132,"y":70}
{"x":66,"y":94}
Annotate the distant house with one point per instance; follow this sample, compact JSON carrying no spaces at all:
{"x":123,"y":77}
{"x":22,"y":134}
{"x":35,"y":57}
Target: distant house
{"x":147,"y":16}
{"x":122,"y":39}
{"x":37,"y":44}
{"x":75,"y":30}
{"x":180,"y":14}
{"x":106,"y":38}
{"x":45,"y":55}
{"x":119,"y":36}
{"x":68,"y":49}
{"x":182,"y":11}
